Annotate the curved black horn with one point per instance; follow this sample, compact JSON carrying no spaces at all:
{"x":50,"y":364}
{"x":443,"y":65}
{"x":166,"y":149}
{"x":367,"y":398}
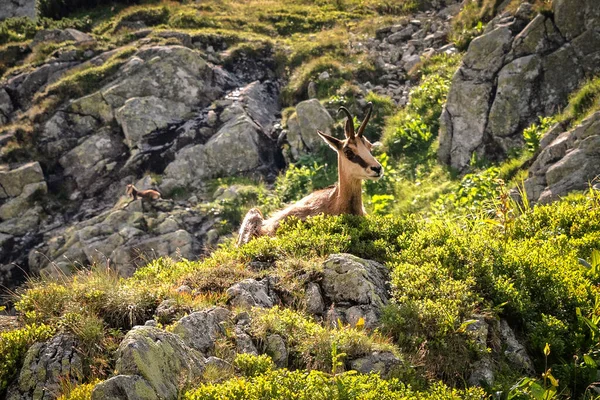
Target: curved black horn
{"x":363,"y":125}
{"x":349,"y":130}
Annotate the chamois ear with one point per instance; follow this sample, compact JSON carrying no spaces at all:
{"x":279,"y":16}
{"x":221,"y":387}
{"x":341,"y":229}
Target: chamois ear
{"x":335,"y":144}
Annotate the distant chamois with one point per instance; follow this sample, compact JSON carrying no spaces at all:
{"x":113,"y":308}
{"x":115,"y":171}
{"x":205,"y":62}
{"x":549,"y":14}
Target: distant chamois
{"x":144,"y":194}
{"x":355,"y":163}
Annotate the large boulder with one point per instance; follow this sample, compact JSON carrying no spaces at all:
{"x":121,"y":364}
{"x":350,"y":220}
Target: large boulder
{"x":569,"y":160}
{"x":241,"y":145}
{"x":309,"y":116}
{"x":17,"y":8}
{"x":201,"y":329}
{"x":251,"y":293}
{"x":353,"y":289}
{"x":160,"y":358}
{"x":47,"y":365}
{"x":12,"y":182}
{"x":514,"y":73}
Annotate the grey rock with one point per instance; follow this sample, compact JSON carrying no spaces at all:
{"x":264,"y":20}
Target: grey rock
{"x":568,"y":162}
{"x":139,"y":116}
{"x":383,"y":363}
{"x":275,"y":347}
{"x":349,"y":279}
{"x":18,"y":206}
{"x":89,"y":161}
{"x":482,"y":373}
{"x":250,"y":293}
{"x":124,"y":387}
{"x":58,"y":36}
{"x":368,"y":313}
{"x":525,"y":60}
{"x":6,"y":107}
{"x":515,"y":351}
{"x":45,"y":366}
{"x":401,"y":36}
{"x":12,"y":182}
{"x":18,"y":8}
{"x":243,"y":342}
{"x":313,"y":299}
{"x":309,"y":117}
{"x":161,"y":358}
{"x":200,"y":329}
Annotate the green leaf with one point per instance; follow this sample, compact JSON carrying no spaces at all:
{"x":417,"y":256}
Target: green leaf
{"x":589,"y":361}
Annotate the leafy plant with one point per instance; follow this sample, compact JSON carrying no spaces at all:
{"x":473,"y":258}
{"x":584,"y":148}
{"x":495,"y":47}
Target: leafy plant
{"x":535,"y":132}
{"x":13,"y":346}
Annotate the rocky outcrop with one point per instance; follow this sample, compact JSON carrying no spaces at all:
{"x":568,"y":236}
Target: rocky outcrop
{"x":201,"y":329}
{"x":568,"y":160}
{"x":124,"y":236}
{"x":303,"y":124}
{"x":165,"y":110}
{"x":396,"y":49}
{"x":242,"y":144}
{"x":151,"y":364}
{"x":251,"y":293}
{"x":17,"y":8}
{"x":493,"y":340}
{"x":349,"y":288}
{"x":47,"y":365}
{"x":513,"y":73}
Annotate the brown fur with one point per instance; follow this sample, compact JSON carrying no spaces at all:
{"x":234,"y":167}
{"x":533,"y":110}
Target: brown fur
{"x":345,"y":197}
{"x":144,"y":194}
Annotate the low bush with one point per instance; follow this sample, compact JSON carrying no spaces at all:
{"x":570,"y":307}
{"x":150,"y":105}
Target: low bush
{"x":302,"y":385}
{"x":13,"y":346}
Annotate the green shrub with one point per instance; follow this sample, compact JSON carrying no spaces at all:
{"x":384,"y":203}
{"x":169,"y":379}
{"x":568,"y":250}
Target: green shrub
{"x":584,"y":101}
{"x":535,"y":132}
{"x":296,"y":89}
{"x":79,"y":392}
{"x":310,"y":345}
{"x":14,"y":345}
{"x":413,"y":129}
{"x":19,"y":29}
{"x":301,"y":385}
{"x":251,"y":365}
{"x":191,"y":19}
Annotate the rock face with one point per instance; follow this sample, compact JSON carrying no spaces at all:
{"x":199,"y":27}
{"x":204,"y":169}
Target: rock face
{"x":199,"y":330}
{"x":514,"y":73}
{"x":568,"y":160}
{"x":17,"y":8}
{"x":164,"y":112}
{"x":46,"y":365}
{"x":309,"y":117}
{"x":151,"y":364}
{"x":251,"y":293}
{"x":349,"y":288}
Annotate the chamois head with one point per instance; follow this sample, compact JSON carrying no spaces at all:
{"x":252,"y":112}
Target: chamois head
{"x":354,"y":152}
{"x":129,"y":190}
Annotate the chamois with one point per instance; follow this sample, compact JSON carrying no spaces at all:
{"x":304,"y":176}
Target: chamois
{"x":355,"y":163}
{"x":144,"y":194}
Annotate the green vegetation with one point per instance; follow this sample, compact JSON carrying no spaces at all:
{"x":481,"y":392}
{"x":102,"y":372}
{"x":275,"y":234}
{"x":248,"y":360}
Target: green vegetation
{"x":535,"y":132}
{"x":284,"y":384}
{"x":310,"y":344}
{"x":583,"y":102}
{"x":13,"y":346}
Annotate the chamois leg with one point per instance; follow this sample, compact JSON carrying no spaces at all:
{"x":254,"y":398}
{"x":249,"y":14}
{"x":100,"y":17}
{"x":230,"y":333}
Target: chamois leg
{"x":251,"y":227}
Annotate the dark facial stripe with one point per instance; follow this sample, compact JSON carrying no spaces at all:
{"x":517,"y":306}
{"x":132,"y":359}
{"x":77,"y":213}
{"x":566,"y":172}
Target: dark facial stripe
{"x":355,"y":158}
